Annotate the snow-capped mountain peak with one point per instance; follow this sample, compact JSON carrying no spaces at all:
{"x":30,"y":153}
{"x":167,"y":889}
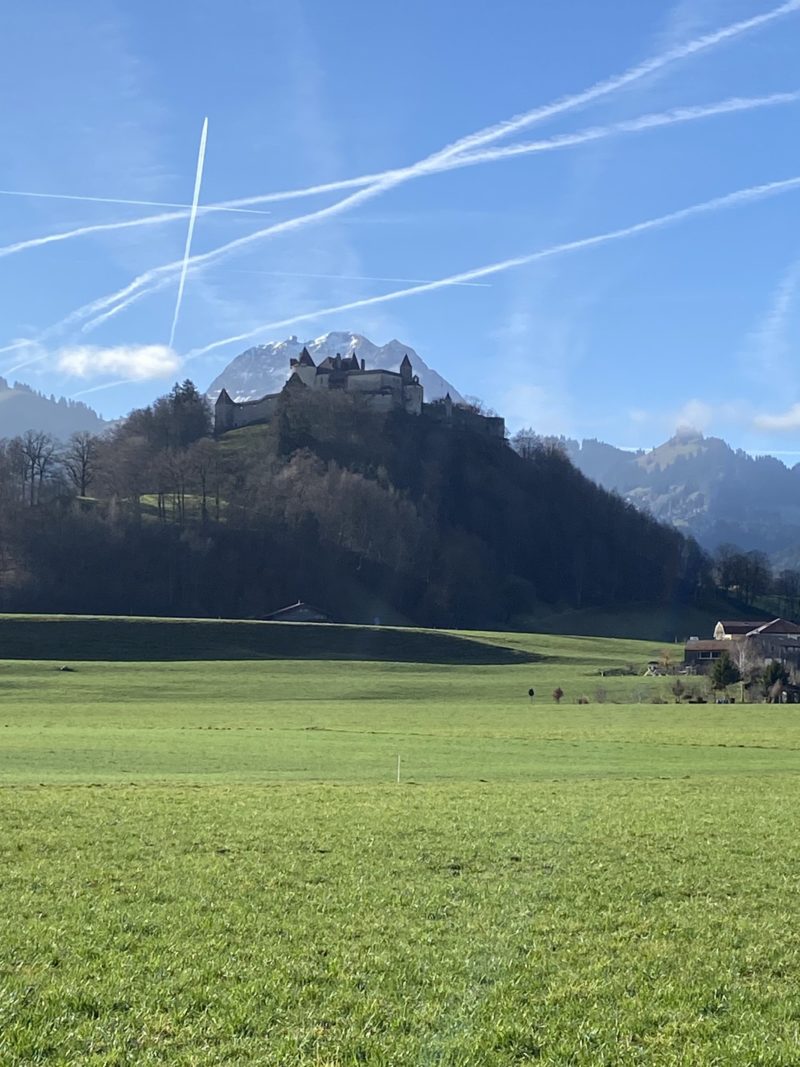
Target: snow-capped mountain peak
{"x":264,"y":368}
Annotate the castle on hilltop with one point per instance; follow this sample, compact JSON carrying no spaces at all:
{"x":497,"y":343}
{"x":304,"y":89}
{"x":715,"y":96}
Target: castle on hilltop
{"x":383,"y":390}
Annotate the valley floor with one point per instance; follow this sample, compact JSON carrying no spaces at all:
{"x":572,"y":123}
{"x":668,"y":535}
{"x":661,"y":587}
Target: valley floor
{"x":211,"y":862}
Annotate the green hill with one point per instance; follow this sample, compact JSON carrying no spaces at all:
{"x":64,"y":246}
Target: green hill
{"x":397,"y":517}
{"x":81,"y":638}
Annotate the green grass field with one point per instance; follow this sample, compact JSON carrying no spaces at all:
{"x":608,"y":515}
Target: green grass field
{"x":209,"y":861}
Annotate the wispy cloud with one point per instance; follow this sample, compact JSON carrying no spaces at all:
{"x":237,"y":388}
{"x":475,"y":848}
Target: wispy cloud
{"x":768,"y":351}
{"x":694,"y":415}
{"x":198,"y":178}
{"x":785,"y":421}
{"x":720,"y":203}
{"x":138,"y":363}
{"x":532,"y":405}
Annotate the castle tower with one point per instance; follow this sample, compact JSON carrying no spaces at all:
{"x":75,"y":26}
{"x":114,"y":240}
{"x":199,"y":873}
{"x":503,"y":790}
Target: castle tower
{"x":406,"y":370}
{"x":224,"y":413}
{"x":304,"y":367}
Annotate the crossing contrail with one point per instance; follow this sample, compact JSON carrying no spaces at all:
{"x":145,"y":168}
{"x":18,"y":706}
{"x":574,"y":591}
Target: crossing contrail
{"x":720,"y":203}
{"x":431,"y":164}
{"x":339,"y":277}
{"x":198,"y":178}
{"x":641,"y":124}
{"x":158,"y":277}
{"x":619,"y":81}
{"x":491,"y":134}
{"x":119,"y":200}
{"x":568,"y":140}
{"x":84,"y":231}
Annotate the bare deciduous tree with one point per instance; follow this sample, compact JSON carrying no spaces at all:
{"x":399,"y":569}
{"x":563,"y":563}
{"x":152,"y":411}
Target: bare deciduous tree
{"x":39,"y":450}
{"x":79,"y":460}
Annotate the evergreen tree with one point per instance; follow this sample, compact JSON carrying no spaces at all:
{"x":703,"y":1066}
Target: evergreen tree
{"x":775,"y":672}
{"x":724,"y":673}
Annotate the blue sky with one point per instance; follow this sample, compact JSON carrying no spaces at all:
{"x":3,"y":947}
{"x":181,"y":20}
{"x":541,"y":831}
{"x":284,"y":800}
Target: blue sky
{"x":696,"y":322}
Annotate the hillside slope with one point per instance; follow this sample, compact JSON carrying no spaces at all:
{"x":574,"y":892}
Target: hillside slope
{"x":361,"y":514}
{"x":705,"y":488}
{"x":22,"y":409}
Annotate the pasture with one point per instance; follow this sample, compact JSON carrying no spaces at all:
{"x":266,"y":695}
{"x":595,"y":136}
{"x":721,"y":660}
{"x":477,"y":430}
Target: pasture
{"x":209,"y":861}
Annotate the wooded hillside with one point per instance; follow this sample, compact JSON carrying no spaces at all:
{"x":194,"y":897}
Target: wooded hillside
{"x":361,"y":514}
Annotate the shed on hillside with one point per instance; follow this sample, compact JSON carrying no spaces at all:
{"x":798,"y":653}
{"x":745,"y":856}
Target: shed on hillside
{"x":299,"y":612}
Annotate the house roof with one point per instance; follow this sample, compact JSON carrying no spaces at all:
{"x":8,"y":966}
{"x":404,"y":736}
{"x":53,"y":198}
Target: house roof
{"x":766,"y":627}
{"x":777,"y":626}
{"x":739,"y":626}
{"x":707,"y":646}
{"x":305,"y":359}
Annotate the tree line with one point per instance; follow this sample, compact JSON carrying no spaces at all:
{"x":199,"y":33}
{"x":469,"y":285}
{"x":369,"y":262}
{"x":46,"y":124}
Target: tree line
{"x":750,"y":577}
{"x":357,"y":512}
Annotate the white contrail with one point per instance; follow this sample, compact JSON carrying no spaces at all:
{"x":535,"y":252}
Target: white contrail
{"x":567,"y":103}
{"x":119,"y":200}
{"x":108,"y":227}
{"x":637,"y":125}
{"x":472,"y":141}
{"x":341,"y":277}
{"x":15,"y":345}
{"x":493,"y":133}
{"x":641,"y":124}
{"x":84,"y":231}
{"x":158,"y":277}
{"x":741,"y":196}
{"x":25,"y":363}
{"x":99,"y":388}
{"x":198,"y":178}
{"x":619,"y":81}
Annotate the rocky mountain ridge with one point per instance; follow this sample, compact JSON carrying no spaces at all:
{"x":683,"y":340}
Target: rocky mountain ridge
{"x":264,"y":368}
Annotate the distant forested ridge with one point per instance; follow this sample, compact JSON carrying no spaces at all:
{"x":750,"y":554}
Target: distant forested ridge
{"x":361,"y":514}
{"x":704,"y":488}
{"x":23,"y":409}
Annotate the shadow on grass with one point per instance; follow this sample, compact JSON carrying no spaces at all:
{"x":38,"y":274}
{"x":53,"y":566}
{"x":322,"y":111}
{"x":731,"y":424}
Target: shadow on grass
{"x":76,"y":638}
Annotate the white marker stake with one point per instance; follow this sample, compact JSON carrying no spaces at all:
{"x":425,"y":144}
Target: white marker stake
{"x":398,"y":768}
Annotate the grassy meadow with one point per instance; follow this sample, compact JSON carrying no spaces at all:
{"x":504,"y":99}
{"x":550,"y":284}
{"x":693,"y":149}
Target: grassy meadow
{"x":209,"y":861}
